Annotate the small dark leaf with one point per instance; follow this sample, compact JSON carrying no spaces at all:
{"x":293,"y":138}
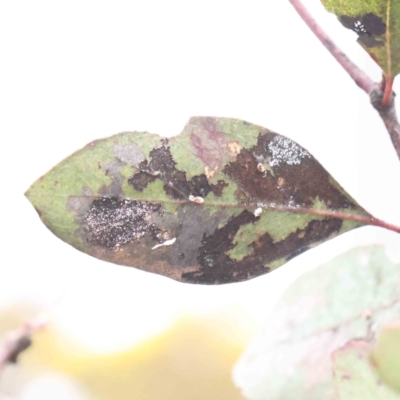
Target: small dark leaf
{"x":377,"y":23}
{"x":223,"y":202}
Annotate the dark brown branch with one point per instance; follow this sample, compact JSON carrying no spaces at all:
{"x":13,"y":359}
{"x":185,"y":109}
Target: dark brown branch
{"x":18,"y":341}
{"x":381,"y":95}
{"x":388,"y":115}
{"x":359,"y":76}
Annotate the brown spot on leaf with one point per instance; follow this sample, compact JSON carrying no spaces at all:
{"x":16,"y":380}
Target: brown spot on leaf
{"x":219,"y":187}
{"x":301,"y":178}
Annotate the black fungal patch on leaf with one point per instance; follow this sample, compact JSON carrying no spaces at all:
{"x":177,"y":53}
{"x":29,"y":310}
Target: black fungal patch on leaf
{"x":218,"y":268}
{"x":112,"y":222}
{"x":373,"y":24}
{"x":199,"y":186}
{"x":368,"y":27}
{"x":219,"y":187}
{"x":162,"y":166}
{"x":140,"y":180}
{"x":216,"y":265}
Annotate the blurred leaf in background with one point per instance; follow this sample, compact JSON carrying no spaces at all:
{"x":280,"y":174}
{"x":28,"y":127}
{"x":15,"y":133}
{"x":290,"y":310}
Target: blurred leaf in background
{"x":355,"y":377}
{"x":386,"y":355}
{"x":347,"y":298}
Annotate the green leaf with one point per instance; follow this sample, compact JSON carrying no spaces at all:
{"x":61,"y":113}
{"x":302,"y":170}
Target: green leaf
{"x":350,"y":297}
{"x":377,"y":23}
{"x":386,"y":355}
{"x":355,"y":377}
{"x":224,"y":201}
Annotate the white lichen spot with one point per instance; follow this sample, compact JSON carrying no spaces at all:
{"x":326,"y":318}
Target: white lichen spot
{"x":258,"y":212}
{"x":260,"y":167}
{"x":117,"y":248}
{"x":197,"y":199}
{"x":286,"y":151}
{"x":291,"y":203}
{"x":166,"y":243}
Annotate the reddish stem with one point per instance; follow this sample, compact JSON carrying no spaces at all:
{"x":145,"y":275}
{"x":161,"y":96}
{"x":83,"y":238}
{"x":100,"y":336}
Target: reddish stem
{"x":387,"y":94}
{"x":359,"y":76}
{"x":381,"y":95}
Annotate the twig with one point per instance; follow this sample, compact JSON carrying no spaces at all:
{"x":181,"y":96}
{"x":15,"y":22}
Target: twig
{"x":18,"y":341}
{"x":359,"y":76}
{"x":381,"y":95}
{"x":388,"y":115}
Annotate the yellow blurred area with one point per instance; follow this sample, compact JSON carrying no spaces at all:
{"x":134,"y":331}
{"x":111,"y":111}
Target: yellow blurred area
{"x":192,"y":359}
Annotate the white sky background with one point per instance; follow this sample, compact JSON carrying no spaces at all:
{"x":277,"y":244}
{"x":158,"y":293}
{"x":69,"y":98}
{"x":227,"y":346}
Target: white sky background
{"x":75,"y":71}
